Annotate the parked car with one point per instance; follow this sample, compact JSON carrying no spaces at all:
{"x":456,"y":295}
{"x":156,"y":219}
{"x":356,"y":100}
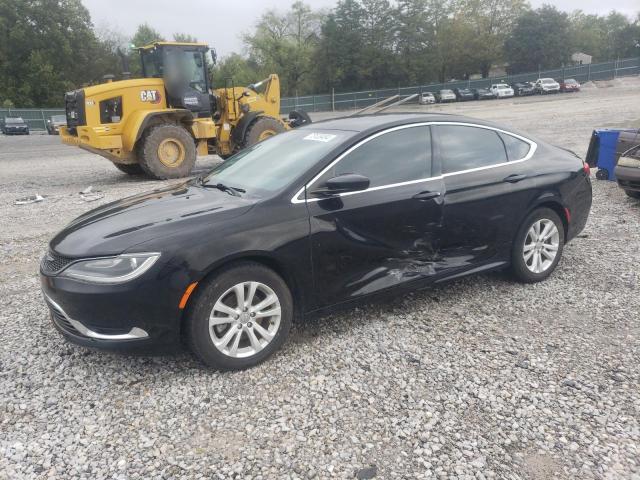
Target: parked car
{"x":15,"y":126}
{"x":569,"y":85}
{"x":426,"y":98}
{"x":546,"y":85}
{"x":463,"y":94}
{"x":521,"y":89}
{"x":627,"y":170}
{"x":483,"y":94}
{"x":502,"y":90}
{"x":350,"y":209}
{"x":55,"y":122}
{"x":445,"y":96}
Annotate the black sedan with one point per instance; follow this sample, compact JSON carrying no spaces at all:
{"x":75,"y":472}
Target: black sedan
{"x":522,"y":89}
{"x":312,"y":219}
{"x":483,"y":94}
{"x":15,"y":126}
{"x":463,"y":94}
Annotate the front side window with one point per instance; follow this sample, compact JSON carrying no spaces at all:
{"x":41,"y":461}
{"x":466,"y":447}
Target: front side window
{"x":398,"y":156}
{"x":464,"y":148}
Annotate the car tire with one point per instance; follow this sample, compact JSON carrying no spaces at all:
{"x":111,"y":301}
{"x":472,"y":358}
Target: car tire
{"x":632,"y":193}
{"x":602,"y":174}
{"x":531,"y":260}
{"x":167,"y":151}
{"x":210,"y":330}
{"x":129,"y":168}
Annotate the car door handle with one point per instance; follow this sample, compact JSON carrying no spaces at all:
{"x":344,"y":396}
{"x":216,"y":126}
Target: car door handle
{"x":516,"y":177}
{"x":426,"y":195}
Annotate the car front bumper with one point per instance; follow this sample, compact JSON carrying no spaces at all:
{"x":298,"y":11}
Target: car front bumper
{"x":143,"y":312}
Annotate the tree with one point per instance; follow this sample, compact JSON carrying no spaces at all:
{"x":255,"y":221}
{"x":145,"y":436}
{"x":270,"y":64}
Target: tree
{"x":46,"y":48}
{"x":235,"y":69}
{"x":490,"y":21}
{"x":540,"y":39}
{"x":145,"y":34}
{"x":284,"y":43}
{"x":184,"y":38}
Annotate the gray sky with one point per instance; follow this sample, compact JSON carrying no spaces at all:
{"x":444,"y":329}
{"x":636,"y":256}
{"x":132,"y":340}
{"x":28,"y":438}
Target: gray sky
{"x":220,"y":23}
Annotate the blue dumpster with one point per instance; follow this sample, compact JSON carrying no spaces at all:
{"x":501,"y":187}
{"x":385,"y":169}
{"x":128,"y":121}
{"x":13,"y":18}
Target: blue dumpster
{"x":602,"y":152}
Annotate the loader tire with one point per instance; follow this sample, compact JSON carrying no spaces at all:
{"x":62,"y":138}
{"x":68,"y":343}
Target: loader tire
{"x":167,"y":151}
{"x":129,"y":168}
{"x":261,"y":129}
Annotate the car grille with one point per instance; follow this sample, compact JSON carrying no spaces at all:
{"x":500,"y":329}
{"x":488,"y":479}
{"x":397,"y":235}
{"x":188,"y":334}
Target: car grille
{"x":74,"y":108}
{"x":52,"y":263}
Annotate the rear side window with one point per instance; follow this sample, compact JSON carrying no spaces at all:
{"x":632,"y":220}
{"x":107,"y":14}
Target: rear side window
{"x":395,"y":157}
{"x":464,"y":148}
{"x":516,"y":149}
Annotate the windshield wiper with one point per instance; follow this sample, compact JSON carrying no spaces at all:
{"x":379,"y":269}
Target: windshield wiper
{"x":235,"y":191}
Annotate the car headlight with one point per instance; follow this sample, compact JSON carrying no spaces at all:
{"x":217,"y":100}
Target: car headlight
{"x":111,"y":270}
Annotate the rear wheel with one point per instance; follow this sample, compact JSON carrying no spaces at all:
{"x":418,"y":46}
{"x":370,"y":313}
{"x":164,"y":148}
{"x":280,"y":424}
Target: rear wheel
{"x":240,"y":317}
{"x":538,"y":246}
{"x":261,"y":129}
{"x":167,"y":151}
{"x":129,"y":168}
{"x":632,"y":193}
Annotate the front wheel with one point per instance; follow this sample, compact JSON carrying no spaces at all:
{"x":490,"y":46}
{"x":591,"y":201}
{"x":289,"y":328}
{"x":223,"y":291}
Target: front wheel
{"x":240,"y":317}
{"x":167,"y":151}
{"x":538,"y":246}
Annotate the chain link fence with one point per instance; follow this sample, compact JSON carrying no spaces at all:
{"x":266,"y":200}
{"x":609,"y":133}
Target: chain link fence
{"x":357,"y":100}
{"x":36,"y":118}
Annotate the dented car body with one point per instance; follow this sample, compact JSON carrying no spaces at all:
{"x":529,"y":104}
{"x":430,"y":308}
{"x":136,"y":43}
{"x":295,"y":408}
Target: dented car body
{"x":419,"y":199}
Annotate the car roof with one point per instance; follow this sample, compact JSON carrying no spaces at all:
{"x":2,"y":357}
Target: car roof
{"x":381,"y":121}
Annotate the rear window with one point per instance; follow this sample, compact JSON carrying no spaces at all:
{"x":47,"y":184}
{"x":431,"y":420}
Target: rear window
{"x":14,"y":120}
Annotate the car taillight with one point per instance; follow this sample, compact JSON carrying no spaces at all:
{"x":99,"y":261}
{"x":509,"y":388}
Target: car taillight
{"x":586,"y":168}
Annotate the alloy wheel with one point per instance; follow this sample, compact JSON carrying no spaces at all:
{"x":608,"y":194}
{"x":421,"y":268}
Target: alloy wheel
{"x":245,"y":319}
{"x":541,"y":245}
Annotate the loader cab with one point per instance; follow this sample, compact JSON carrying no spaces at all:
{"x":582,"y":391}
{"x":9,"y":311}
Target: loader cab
{"x":183,"y":68}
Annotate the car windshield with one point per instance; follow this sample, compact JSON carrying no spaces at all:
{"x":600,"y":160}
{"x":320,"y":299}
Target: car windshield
{"x":446,"y":91}
{"x":273,"y":164}
{"x":548,"y":80}
{"x":570,"y":80}
{"x":14,"y":121}
{"x":59,"y":118}
{"x":502,"y":87}
{"x":464,"y":90}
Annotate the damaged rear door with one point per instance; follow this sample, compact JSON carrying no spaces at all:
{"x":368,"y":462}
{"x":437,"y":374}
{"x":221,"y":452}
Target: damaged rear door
{"x":481,"y":207}
{"x":386,"y":235}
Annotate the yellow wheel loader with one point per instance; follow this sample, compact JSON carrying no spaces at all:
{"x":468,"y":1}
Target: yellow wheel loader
{"x":158,"y":124}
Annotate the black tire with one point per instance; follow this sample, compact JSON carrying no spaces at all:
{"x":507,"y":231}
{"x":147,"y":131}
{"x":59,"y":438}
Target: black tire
{"x":602,"y":174}
{"x":181,"y":142}
{"x":129,"y":168}
{"x":260,"y":128}
{"x":518,"y":266}
{"x":297,"y":118}
{"x":198,"y":334}
{"x":632,"y":193}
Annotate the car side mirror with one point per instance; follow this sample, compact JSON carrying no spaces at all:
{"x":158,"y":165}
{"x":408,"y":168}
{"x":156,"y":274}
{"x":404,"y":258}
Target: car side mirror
{"x":348,"y":182}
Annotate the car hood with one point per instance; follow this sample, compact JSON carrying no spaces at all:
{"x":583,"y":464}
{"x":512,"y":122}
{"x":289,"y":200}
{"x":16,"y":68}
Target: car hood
{"x":119,"y":226}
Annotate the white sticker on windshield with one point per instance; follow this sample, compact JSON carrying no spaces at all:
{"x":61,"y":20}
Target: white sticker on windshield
{"x":320,"y":137}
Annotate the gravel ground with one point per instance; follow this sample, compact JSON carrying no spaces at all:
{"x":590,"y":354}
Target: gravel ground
{"x":481,"y":378}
